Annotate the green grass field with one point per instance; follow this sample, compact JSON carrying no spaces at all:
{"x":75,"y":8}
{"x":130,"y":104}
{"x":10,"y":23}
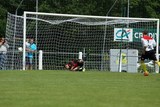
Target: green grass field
{"x":78,"y":89}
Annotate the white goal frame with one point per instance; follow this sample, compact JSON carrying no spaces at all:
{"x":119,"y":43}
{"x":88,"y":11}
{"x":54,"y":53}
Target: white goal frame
{"x":84,"y":16}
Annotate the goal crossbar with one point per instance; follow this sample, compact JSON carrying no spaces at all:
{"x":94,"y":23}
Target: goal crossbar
{"x":89,"y":16}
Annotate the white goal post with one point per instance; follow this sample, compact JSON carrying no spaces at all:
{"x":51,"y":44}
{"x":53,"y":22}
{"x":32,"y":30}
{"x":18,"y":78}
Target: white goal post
{"x":62,"y":36}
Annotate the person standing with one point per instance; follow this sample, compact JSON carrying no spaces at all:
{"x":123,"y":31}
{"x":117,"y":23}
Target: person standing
{"x":3,"y":52}
{"x":148,"y":52}
{"x":29,"y":55}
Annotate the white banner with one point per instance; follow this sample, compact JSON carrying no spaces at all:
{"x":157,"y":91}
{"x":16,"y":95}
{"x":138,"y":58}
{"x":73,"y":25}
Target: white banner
{"x":123,"y":34}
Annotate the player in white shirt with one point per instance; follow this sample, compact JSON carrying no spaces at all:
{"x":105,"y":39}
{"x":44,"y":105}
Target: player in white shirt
{"x":148,"y":51}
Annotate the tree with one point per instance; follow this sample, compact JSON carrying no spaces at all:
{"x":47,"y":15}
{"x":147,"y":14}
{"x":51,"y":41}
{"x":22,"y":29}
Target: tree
{"x":2,"y":20}
{"x":138,"y":8}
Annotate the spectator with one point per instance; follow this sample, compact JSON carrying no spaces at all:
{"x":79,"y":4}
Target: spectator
{"x":3,"y":52}
{"x":29,"y":55}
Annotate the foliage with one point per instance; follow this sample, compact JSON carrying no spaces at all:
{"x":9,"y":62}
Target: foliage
{"x":138,"y":8}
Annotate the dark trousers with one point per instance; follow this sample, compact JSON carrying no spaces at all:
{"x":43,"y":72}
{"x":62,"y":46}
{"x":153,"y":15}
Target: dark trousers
{"x":3,"y":58}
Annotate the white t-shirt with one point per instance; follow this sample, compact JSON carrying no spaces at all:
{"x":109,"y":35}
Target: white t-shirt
{"x":3,"y":48}
{"x":27,"y":45}
{"x":149,"y":44}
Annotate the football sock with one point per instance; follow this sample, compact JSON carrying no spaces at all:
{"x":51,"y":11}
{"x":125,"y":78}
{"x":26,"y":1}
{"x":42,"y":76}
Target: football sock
{"x":158,"y":63}
{"x":143,"y":66}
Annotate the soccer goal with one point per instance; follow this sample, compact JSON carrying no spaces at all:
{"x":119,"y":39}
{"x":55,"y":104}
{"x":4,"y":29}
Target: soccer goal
{"x":62,"y":36}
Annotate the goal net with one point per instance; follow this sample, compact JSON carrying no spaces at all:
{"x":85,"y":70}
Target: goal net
{"x":62,"y":36}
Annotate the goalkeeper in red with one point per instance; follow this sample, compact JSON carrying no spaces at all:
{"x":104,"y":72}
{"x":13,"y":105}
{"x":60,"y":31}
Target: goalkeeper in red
{"x":75,"y":65}
{"x":148,"y":51}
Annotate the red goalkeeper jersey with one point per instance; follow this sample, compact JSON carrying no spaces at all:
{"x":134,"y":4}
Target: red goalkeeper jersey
{"x":75,"y":63}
